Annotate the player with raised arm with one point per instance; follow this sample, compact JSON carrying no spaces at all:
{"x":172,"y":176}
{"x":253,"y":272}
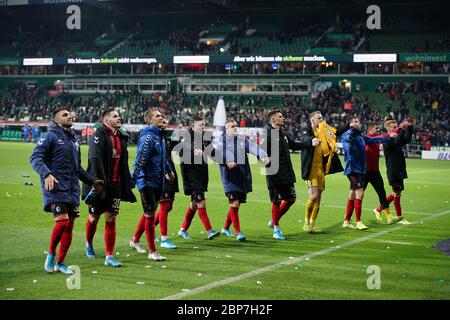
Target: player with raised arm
{"x":354,"y":145}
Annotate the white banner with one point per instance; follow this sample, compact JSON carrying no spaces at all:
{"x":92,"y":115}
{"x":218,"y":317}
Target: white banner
{"x":191,"y":59}
{"x":436,"y":155}
{"x":38,"y":61}
{"x":375,"y":57}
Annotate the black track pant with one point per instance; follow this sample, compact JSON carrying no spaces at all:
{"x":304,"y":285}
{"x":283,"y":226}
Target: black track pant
{"x":375,"y":179}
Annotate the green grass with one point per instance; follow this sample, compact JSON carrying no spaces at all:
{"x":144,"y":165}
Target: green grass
{"x":410,"y":267}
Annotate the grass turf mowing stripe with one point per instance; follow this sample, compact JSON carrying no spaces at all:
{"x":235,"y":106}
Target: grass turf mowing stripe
{"x":250,"y":274}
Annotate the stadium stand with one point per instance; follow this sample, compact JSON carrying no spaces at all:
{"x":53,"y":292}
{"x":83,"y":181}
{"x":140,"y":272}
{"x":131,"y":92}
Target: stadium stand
{"x":266,"y":31}
{"x":428,"y":101}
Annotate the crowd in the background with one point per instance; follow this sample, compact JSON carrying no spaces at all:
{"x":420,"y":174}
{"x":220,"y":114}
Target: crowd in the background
{"x":428,"y":101}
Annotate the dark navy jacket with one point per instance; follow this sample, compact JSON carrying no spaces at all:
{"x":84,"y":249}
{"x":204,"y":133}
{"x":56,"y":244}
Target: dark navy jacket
{"x":58,"y":153}
{"x":354,"y":144}
{"x":232,"y":149}
{"x":100,"y":162}
{"x":151,"y":160}
{"x":393,"y":154}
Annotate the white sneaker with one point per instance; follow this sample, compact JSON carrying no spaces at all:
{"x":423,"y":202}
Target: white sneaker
{"x":377,"y":215}
{"x":136,"y":246}
{"x":156,"y":256}
{"x":348,"y":224}
{"x":270,"y":224}
{"x":361,"y":226}
{"x":404,"y":221}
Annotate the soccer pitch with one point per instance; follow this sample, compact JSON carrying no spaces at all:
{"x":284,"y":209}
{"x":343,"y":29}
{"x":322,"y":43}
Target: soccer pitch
{"x":332,"y":265}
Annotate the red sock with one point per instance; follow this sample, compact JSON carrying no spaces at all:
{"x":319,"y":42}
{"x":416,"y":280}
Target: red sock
{"x":228,"y":221}
{"x":389,"y":198}
{"x":285,"y":205}
{"x":188,"y":218}
{"x":139,"y":230}
{"x":91,"y":228}
{"x":157,"y":217}
{"x":204,"y":218}
{"x":110,"y":237}
{"x":150,"y":233}
{"x":57,"y":232}
{"x":276,"y":213}
{"x":164,"y":208}
{"x":234,"y":215}
{"x":349,"y":210}
{"x":66,"y":240}
{"x":358,"y":209}
{"x":397,"y":206}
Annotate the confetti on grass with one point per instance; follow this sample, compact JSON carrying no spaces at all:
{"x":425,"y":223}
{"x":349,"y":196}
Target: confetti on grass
{"x":299,"y":266}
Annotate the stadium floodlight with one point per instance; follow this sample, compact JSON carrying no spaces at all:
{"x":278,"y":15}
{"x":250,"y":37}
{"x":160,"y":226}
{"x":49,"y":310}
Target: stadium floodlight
{"x":225,"y":47}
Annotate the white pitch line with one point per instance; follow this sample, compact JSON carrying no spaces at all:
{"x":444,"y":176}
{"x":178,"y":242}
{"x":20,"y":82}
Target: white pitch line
{"x":427,"y":171}
{"x":398,"y":242}
{"x":308,"y":256}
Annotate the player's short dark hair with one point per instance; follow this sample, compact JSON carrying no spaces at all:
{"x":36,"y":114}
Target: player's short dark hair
{"x":196,"y":118}
{"x":271,"y":113}
{"x":230,"y":120}
{"x":57,"y":110}
{"x":372,"y":124}
{"x":351,"y":118}
{"x":107,"y":112}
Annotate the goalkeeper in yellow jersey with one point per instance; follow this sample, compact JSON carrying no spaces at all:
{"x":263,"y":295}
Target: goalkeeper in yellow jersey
{"x":317,"y":162}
